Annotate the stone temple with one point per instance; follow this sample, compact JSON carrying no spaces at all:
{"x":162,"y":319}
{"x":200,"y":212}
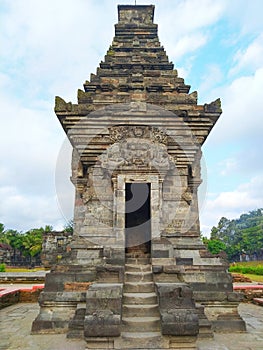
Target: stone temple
{"x":136,"y":274}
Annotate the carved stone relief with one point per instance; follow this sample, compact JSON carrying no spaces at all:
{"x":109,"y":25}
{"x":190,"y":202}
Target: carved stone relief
{"x":137,"y":153}
{"x":135,"y":16}
{"x":120,"y":133}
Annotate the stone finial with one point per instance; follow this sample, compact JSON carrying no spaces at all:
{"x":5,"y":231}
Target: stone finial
{"x":61,"y":105}
{"x":142,"y":14}
{"x":214,"y":106}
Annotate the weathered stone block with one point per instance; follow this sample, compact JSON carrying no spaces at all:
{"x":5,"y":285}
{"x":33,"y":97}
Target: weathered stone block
{"x":103,"y":310}
{"x":179,"y":322}
{"x":157,"y":269}
{"x":175,"y":296}
{"x":177,"y":309}
{"x":53,"y":319}
{"x":55,"y":281}
{"x":202,"y":296}
{"x":160,"y":253}
{"x":184,"y":261}
{"x":210,"y":287}
{"x":102,"y":324}
{"x":77,"y":286}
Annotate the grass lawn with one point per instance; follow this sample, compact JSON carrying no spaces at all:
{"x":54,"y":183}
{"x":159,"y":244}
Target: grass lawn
{"x":249,"y":263}
{"x":253,"y":264}
{"x":254,"y":278}
{"x":23,"y":269}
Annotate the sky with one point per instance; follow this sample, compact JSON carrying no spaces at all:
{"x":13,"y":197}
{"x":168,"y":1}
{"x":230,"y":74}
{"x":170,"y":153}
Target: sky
{"x":50,"y":47}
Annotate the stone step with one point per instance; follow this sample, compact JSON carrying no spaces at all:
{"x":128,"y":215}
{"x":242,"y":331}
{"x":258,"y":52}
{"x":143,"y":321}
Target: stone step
{"x":140,"y":310}
{"x":139,"y":287}
{"x":139,"y":298}
{"x":189,"y":343}
{"x":138,"y":276}
{"x":138,"y":261}
{"x":141,"y":324}
{"x":137,"y":267}
{"x":137,"y":253}
{"x":141,"y":340}
{"x":76,"y":324}
{"x":205,"y":329}
{"x":141,"y":335}
{"x":205,"y":326}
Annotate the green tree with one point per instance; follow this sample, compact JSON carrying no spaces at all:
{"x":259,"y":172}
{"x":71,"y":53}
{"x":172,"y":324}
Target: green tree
{"x":32,"y":240}
{"x":215,"y":246}
{"x":242,"y":235}
{"x":69,"y":227}
{"x":2,"y":228}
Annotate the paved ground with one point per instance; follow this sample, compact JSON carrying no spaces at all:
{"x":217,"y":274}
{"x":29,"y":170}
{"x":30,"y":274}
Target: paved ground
{"x":250,"y":340}
{"x":25,"y":275}
{"x":15,"y":324}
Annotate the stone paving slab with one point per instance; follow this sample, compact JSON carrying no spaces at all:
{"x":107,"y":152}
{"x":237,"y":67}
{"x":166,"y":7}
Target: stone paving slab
{"x":15,"y":326}
{"x":22,"y":277}
{"x":16,"y":320}
{"x":24,"y":274}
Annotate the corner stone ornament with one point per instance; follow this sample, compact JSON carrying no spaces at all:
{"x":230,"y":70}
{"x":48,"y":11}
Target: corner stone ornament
{"x":136,"y":134}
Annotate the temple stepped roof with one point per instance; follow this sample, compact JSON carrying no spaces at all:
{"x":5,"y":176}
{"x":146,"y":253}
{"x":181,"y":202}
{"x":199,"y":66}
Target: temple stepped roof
{"x":135,"y":69}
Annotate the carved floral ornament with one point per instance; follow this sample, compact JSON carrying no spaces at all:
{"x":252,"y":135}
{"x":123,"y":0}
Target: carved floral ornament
{"x":119,"y":133}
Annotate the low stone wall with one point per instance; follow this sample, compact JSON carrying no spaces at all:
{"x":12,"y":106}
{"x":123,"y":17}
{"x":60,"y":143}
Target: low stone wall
{"x":30,"y":295}
{"x":13,"y":295}
{"x":239,"y":278}
{"x":258,"y":301}
{"x":23,"y":277}
{"x":7,"y":299}
{"x":250,"y":291}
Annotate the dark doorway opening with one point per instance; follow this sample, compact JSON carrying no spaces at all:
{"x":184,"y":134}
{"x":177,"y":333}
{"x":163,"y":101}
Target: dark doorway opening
{"x":138,"y":217}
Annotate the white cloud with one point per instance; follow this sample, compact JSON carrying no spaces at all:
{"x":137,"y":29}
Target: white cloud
{"x":23,"y":211}
{"x":64,"y":188}
{"x":232,"y":204}
{"x":29,"y":142}
{"x":246,"y":14}
{"x":50,"y":48}
{"x":242,"y":111}
{"x":250,"y":58}
{"x":212,"y":78}
{"x":183,"y":26}
{"x":228,"y":166}
{"x":238,"y":134}
{"x":188,"y":44}
{"x":189,"y":15}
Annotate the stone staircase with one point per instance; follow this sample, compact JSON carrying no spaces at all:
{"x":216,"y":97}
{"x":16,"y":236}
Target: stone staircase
{"x":140,"y":312}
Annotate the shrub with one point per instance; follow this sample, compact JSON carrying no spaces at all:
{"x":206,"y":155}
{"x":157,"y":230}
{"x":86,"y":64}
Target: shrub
{"x":253,"y":270}
{"x":2,"y":267}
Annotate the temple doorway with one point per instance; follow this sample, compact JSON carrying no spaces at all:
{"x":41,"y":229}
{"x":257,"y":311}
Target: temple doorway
{"x":138,"y":217}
